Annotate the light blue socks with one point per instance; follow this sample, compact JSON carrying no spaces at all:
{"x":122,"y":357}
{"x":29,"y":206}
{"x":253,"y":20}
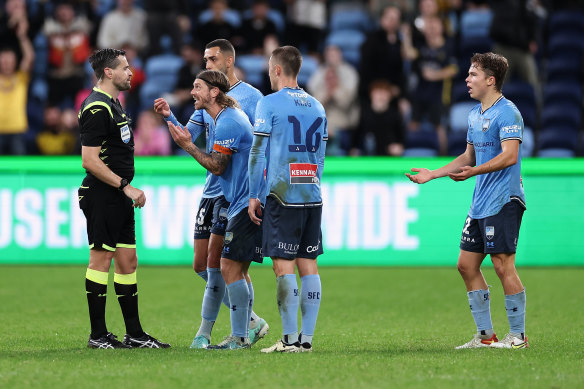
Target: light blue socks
{"x":515,"y":306}
{"x":288,"y":306}
{"x":214,"y":292}
{"x":480,"y":307}
{"x":309,"y":305}
{"x":239,"y":299}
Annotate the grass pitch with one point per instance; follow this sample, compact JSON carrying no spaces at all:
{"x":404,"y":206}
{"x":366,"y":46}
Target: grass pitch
{"x":377,"y":328}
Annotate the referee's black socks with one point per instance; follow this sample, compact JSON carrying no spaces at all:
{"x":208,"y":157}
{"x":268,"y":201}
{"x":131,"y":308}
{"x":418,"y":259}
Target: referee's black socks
{"x":127,"y":292}
{"x":96,"y":290}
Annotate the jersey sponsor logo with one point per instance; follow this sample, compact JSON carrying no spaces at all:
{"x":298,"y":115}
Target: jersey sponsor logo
{"x":303,"y":173}
{"x":486,"y":123}
{"x":288,"y":248}
{"x":93,"y":111}
{"x":125,"y":133}
{"x":514,"y":129}
{"x":298,"y":94}
{"x":259,"y":122}
{"x":490,"y":232}
{"x":312,"y":249}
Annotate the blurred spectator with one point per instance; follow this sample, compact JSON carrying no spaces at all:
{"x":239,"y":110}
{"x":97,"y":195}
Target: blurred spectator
{"x":68,"y":37}
{"x":15,"y":18}
{"x":254,"y":30}
{"x":307,"y":20}
{"x":14,"y":80}
{"x":427,"y":9}
{"x":83,"y":93}
{"x":514,"y":31}
{"x":217,"y":27}
{"x":381,"y":55}
{"x":335,"y":84}
{"x":381,"y":127}
{"x":151,"y":137}
{"x":132,"y":105}
{"x":125,"y":25}
{"x":166,"y":17}
{"x":59,"y":134}
{"x":180,"y":99}
{"x":434,"y":65}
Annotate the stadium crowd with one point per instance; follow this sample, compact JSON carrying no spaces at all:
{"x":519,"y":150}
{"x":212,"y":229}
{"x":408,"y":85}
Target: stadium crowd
{"x":390,"y":74}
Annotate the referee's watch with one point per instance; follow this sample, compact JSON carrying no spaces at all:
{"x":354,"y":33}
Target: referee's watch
{"x":123,"y":184}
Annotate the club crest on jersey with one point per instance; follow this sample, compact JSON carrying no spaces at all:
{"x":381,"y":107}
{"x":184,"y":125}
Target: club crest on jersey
{"x":486,"y":123}
{"x":303,"y":173}
{"x":125,"y":133}
{"x":490,"y":232}
{"x":228,"y":237}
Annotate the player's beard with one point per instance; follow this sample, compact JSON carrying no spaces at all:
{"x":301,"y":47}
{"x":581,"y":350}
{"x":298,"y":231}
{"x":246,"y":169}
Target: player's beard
{"x":123,"y":85}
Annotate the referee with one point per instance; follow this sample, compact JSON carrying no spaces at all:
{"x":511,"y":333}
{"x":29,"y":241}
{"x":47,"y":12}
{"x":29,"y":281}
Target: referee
{"x":108,"y":200}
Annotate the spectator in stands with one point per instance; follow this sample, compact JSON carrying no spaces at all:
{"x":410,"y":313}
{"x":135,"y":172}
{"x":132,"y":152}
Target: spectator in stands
{"x":307,"y":20}
{"x":14,"y":80}
{"x":151,"y":136}
{"x":125,"y":25}
{"x":217,"y":27}
{"x":381,"y":55}
{"x":335,"y":84}
{"x":435,"y":65}
{"x":59,"y":134}
{"x":256,"y":29}
{"x":68,"y":37}
{"x":514,"y":31}
{"x":166,"y":17}
{"x":16,"y":18}
{"x":381,"y":127}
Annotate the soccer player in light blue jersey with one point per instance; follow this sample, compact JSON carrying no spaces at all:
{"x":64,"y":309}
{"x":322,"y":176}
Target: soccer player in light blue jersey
{"x":211,"y":216}
{"x":291,"y":131}
{"x":493,"y":155}
{"x":228,"y":160}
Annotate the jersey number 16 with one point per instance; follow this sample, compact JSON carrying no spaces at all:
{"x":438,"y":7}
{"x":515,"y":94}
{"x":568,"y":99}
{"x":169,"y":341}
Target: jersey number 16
{"x":312,"y":141}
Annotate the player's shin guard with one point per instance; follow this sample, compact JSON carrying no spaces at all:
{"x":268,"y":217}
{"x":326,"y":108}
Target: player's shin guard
{"x":309,"y":304}
{"x":288,"y":306}
{"x":96,"y":290}
{"x":127,"y":292}
{"x":480,"y":307}
{"x":515,"y":306}
{"x":239,"y":299}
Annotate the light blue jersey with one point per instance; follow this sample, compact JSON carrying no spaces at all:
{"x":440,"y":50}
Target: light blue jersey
{"x":295,"y":126}
{"x":247,"y":96}
{"x":486,"y":131}
{"x":233,"y":136}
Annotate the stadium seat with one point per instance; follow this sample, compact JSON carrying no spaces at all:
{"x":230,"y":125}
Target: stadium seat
{"x":528,"y":144}
{"x":350,"y":19}
{"x":349,"y":41}
{"x":459,"y":92}
{"x":566,"y":21}
{"x":519,"y":91}
{"x":559,"y":91}
{"x":458,"y":117}
{"x":456,"y":143}
{"x":231,"y":16}
{"x":564,"y":113}
{"x":309,"y":66}
{"x":565,"y":68}
{"x":565,"y":43}
{"x":558,"y":137}
{"x":556,"y":153}
{"x":422,"y":143}
{"x":254,"y":67}
{"x":470,"y":45}
{"x":161,"y":76}
{"x":475,"y":23}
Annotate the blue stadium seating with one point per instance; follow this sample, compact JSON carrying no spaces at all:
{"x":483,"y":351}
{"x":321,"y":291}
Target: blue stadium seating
{"x":350,"y":19}
{"x":559,"y":91}
{"x":254,"y":67}
{"x":528,"y":144}
{"x":458,"y":117}
{"x":161,"y":76}
{"x":566,"y":21}
{"x":556,"y":153}
{"x":349,"y":41}
{"x":459,"y":92}
{"x":564,"y":113}
{"x":558,"y":137}
{"x":421,"y":143}
{"x":456,"y":143}
{"x":475,"y":23}
{"x":309,"y":66}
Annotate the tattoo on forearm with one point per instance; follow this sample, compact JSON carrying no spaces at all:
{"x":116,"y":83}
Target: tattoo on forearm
{"x":216,"y":163}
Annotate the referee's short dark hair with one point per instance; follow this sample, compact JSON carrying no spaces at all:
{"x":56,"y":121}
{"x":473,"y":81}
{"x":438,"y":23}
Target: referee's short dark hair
{"x":224,"y":45}
{"x":104,"y":58}
{"x":289,"y":58}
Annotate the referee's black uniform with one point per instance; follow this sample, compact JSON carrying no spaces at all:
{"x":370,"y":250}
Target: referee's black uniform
{"x":109,"y":212}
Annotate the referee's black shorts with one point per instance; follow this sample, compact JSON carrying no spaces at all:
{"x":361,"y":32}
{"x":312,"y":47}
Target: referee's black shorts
{"x":109,"y":214}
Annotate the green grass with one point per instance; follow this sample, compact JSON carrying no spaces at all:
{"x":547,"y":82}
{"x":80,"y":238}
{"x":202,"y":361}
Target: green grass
{"x":378,"y":327}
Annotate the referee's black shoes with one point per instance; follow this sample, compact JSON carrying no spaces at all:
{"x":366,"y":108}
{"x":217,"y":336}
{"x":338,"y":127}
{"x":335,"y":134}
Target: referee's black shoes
{"x":144,"y":341}
{"x":108,"y":340}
